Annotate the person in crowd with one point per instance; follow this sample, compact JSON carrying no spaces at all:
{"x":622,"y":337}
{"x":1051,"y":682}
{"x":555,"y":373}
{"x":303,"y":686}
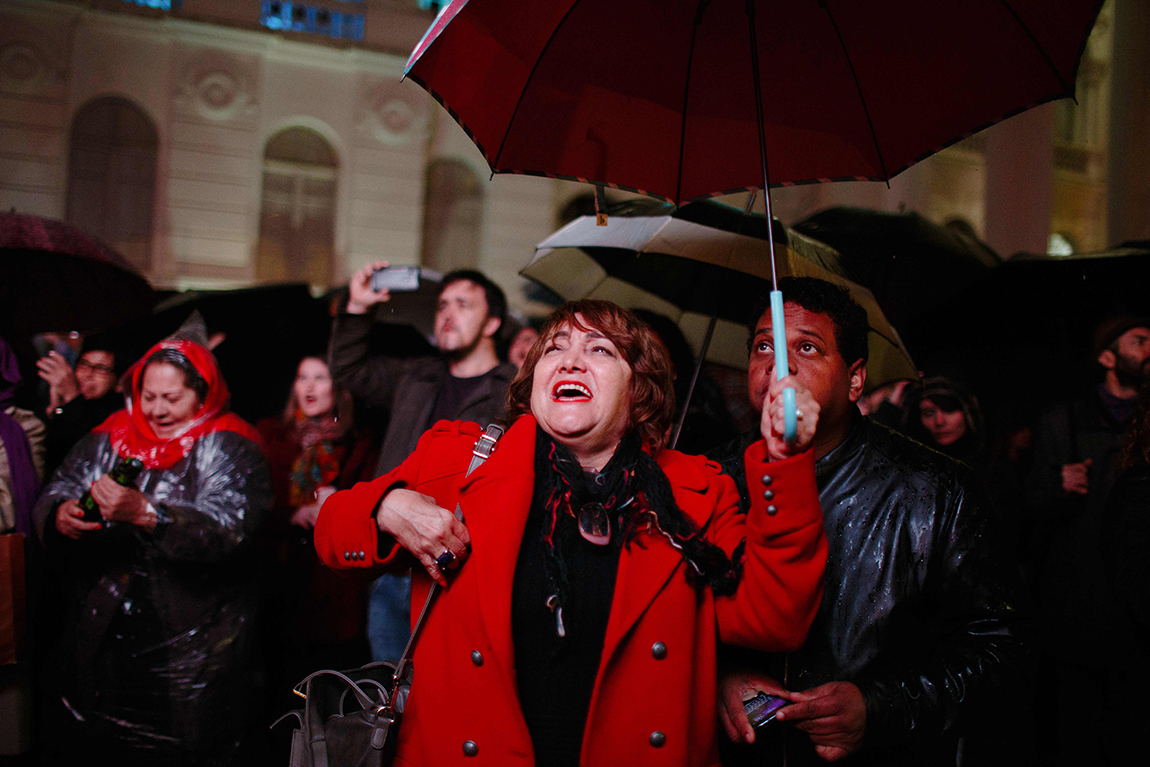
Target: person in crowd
{"x":1125,"y":541}
{"x":520,"y":345}
{"x":464,"y":381}
{"x":1073,"y":467}
{"x":919,"y":622}
{"x":316,"y":618}
{"x":944,"y":415}
{"x":21,"y":450}
{"x":156,"y":663}
{"x":887,"y":404}
{"x":21,"y":444}
{"x":80,"y":400}
{"x":592,"y":571}
{"x":708,"y":423}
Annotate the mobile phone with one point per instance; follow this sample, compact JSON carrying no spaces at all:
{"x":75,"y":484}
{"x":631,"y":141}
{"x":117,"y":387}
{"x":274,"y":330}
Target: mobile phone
{"x":762,"y":708}
{"x":396,"y":279}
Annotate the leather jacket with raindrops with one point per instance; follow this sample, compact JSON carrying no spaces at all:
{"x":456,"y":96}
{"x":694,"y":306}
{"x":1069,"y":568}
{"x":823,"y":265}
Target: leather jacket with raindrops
{"x":922,"y":603}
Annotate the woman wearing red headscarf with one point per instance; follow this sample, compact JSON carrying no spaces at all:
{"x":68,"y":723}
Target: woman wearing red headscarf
{"x":156,"y":660}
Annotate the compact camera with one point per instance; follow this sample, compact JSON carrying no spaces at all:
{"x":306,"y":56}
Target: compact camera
{"x":762,"y":708}
{"x":396,"y":279}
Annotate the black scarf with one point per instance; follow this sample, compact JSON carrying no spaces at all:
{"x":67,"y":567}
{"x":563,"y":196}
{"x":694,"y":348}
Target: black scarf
{"x":637,"y":497}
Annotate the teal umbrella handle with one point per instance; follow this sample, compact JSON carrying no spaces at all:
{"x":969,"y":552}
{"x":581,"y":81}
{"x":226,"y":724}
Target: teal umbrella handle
{"x":782,"y":367}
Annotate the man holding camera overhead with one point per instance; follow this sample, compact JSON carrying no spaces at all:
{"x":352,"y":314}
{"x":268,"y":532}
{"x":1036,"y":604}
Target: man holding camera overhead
{"x":464,"y":381}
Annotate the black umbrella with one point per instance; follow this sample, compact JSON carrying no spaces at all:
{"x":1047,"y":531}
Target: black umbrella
{"x":910,"y":263}
{"x":54,"y":277}
{"x":1024,"y":330}
{"x":265,"y":331}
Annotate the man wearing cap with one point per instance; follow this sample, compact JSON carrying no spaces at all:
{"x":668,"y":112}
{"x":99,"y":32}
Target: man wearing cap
{"x":1076,"y":447}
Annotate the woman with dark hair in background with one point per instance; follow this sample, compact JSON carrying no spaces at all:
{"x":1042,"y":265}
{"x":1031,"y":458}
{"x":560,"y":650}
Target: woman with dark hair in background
{"x":316,"y":616}
{"x":945,"y":415}
{"x":942,"y":414}
{"x":156,"y":662}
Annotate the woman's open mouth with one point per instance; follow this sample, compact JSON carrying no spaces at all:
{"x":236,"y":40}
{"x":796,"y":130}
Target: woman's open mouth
{"x":570,"y":391}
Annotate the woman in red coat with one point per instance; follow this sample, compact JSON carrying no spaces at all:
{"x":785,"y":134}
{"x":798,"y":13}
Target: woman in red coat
{"x":594,"y":571}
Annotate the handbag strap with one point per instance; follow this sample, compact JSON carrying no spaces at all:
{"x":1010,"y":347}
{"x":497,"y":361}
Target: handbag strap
{"x":484,"y":447}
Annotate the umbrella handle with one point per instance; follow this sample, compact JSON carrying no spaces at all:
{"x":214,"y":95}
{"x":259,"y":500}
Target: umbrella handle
{"x":782,"y":366}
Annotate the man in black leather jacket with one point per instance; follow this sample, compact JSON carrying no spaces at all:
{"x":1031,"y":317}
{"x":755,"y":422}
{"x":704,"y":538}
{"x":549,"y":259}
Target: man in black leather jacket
{"x":919,"y":625}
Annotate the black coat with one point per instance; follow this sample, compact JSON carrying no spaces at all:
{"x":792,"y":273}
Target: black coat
{"x":920,"y":608}
{"x":1079,"y":619}
{"x":406,"y":388}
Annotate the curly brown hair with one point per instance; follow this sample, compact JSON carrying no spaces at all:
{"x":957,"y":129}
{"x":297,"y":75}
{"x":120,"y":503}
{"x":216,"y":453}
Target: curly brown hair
{"x":651,"y":390}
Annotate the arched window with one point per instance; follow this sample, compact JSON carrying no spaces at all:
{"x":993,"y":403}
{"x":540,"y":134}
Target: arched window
{"x":297,"y":211}
{"x":112,"y":176}
{"x":452,"y":216}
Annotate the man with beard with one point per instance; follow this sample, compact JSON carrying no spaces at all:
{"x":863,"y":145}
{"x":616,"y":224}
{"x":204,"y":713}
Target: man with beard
{"x":464,"y":381}
{"x":1083,"y":634}
{"x":918,"y":627}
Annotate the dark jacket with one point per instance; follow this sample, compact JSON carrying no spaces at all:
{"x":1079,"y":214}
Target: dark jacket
{"x":919,"y":610}
{"x":1126,"y":539}
{"x":1079,"y":619}
{"x":73,"y":422}
{"x":406,"y":388}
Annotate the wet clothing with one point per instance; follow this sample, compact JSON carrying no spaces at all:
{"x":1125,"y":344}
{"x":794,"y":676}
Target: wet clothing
{"x":920,"y":608}
{"x":653,"y":698}
{"x":156,"y":662}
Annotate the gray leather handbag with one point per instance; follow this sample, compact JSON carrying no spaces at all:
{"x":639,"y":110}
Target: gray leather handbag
{"x":351,"y":718}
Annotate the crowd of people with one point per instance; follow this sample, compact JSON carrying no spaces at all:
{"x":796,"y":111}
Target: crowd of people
{"x":918,"y":586}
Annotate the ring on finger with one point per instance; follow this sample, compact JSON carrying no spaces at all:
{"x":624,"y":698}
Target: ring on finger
{"x":444,"y":560}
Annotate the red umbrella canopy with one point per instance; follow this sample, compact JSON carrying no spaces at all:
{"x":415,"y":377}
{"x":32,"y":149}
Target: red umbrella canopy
{"x":656,"y":96}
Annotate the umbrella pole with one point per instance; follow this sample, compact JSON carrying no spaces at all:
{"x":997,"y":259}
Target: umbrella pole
{"x":703,"y":350}
{"x":694,"y":380}
{"x":778,"y":328}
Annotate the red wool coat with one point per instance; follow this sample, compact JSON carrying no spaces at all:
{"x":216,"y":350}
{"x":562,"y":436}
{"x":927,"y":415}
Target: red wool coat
{"x":654,"y":696}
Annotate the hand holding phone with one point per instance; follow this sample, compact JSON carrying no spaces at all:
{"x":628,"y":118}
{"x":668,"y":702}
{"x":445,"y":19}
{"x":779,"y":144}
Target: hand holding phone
{"x":762,"y":708}
{"x":395,"y":279}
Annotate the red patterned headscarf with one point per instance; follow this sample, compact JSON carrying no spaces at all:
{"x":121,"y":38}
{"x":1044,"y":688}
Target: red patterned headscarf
{"x":130,"y":433}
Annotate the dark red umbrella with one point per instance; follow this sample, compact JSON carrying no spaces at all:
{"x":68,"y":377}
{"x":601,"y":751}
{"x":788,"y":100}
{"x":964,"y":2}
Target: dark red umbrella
{"x":682,"y":99}
{"x":657,"y":96}
{"x":55,"y":277}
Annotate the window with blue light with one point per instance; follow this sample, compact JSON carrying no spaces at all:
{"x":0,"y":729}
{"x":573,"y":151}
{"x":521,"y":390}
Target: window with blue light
{"x":160,"y":5}
{"x":314,"y":19}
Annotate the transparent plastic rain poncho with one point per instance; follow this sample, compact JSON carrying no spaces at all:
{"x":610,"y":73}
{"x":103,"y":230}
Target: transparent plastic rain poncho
{"x":158,"y":646}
